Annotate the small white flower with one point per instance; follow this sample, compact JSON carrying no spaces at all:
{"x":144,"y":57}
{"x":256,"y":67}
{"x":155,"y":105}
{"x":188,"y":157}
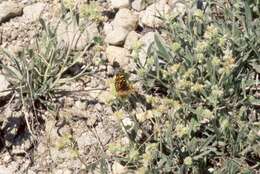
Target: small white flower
{"x":211,"y":170}
{"x":197,"y":87}
{"x":198,"y":14}
{"x":181,"y":130}
{"x":211,"y":32}
{"x":215,"y":61}
{"x":188,"y":161}
{"x":224,"y":124}
{"x":227,"y":54}
{"x":128,"y":123}
{"x":201,"y":46}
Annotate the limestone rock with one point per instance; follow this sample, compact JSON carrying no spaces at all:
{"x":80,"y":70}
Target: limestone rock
{"x":146,"y":41}
{"x":87,"y":138}
{"x":138,"y":5}
{"x":9,"y":10}
{"x":108,"y":28}
{"x":92,"y":31}
{"x":125,"y":19}
{"x":3,"y":87}
{"x":120,"y":3}
{"x":150,"y":17}
{"x":118,"y":168}
{"x":72,"y":34}
{"x":8,"y":170}
{"x":178,"y":7}
{"x":3,"y":83}
{"x":117,"y":36}
{"x":131,"y":38}
{"x":34,"y":11}
{"x":118,"y":55}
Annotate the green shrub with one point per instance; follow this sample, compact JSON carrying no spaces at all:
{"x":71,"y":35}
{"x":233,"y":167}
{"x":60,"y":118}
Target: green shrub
{"x":90,"y":10}
{"x":207,"y":74}
{"x":36,"y":73}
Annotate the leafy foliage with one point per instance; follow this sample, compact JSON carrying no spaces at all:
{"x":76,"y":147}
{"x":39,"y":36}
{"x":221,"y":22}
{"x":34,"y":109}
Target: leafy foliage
{"x":207,"y":74}
{"x":37,"y":73}
{"x":90,"y":10}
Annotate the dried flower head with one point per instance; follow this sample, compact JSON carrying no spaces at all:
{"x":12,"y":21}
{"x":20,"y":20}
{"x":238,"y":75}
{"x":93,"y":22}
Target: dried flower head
{"x":181,"y":130}
{"x":197,"y":87}
{"x":211,"y":32}
{"x":188,"y":161}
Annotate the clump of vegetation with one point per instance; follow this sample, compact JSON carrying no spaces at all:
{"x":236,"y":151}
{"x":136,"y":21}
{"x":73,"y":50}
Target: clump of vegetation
{"x":37,"y":73}
{"x":204,"y":80}
{"x":69,"y":4}
{"x":91,"y":10}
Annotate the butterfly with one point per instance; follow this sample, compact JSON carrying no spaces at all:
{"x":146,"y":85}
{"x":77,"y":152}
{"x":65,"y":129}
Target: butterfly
{"x":122,"y":86}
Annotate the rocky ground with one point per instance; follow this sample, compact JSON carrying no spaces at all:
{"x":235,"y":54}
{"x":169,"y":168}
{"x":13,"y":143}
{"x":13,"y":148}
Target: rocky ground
{"x":85,"y":120}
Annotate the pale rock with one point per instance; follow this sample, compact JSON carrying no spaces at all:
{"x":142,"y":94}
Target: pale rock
{"x":72,"y":34}
{"x":138,"y":5}
{"x":1,"y":36}
{"x":128,"y":123}
{"x":125,"y":141}
{"x":79,"y":105}
{"x":6,"y":170}
{"x":118,"y":55}
{"x":9,"y":10}
{"x":120,"y":3}
{"x":17,"y":48}
{"x":150,"y":17}
{"x":117,"y":36}
{"x":92,"y":31}
{"x":26,"y":165}
{"x":178,"y":7}
{"x":88,"y":138}
{"x":92,"y":120}
{"x":110,"y":70}
{"x":41,"y":148}
{"x":99,"y":107}
{"x":146,"y":41}
{"x":34,"y":11}
{"x":6,"y":157}
{"x":14,"y":35}
{"x":258,"y":133}
{"x":67,"y":171}
{"x":131,"y":38}
{"x":117,"y":168}
{"x":23,"y":147}
{"x":125,"y":19}
{"x":3,"y":86}
{"x":62,"y":171}
{"x":68,"y":102}
{"x":100,"y":95}
{"x":26,"y":2}
{"x":108,"y":28}
{"x":51,"y":131}
{"x":106,"y":97}
{"x":31,"y":172}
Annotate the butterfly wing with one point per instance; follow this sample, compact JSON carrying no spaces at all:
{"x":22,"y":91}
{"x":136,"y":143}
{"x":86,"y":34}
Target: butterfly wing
{"x":123,"y":88}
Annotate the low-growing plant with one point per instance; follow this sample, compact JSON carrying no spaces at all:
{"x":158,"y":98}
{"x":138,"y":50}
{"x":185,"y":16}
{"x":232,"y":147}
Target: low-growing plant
{"x":37,"y":73}
{"x":90,"y":10}
{"x":207,"y":76}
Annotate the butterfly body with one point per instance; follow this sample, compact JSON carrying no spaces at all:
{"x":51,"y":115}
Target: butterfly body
{"x":122,"y":86}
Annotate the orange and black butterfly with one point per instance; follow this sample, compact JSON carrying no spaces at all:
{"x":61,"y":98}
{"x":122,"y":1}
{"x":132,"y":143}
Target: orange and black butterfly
{"x":122,"y":85}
